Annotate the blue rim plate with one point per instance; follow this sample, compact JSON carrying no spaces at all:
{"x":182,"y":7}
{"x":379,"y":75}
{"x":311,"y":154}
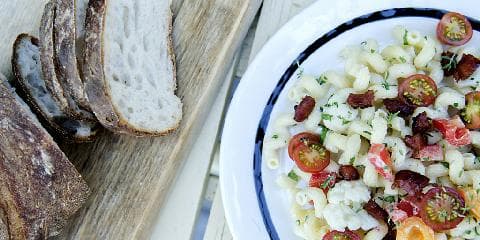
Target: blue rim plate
{"x":249,"y":211}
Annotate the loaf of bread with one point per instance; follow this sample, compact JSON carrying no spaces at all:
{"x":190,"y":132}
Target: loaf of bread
{"x":129,"y":69}
{"x":30,"y":85}
{"x":39,"y":188}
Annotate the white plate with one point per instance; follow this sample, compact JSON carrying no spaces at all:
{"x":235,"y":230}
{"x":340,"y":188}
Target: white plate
{"x":255,"y":207}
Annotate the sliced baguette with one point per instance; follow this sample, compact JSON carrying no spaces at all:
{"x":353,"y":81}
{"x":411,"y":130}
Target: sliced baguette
{"x":57,"y":88}
{"x":65,"y":57}
{"x":46,"y":53}
{"x":31,"y":87}
{"x":39,"y":188}
{"x":129,"y":66}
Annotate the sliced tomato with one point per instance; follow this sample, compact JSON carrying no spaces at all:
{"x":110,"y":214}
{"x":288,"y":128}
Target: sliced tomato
{"x":414,"y":228}
{"x":379,"y":156}
{"x":410,"y":205}
{"x":418,"y":90}
{"x":442,"y":208}
{"x":323,"y":180}
{"x":453,"y":131}
{"x":471,"y":113}
{"x":345,"y":235}
{"x":311,"y":157}
{"x":429,"y":153}
{"x":454,"y":29}
{"x":472,"y":200}
{"x":304,"y":138}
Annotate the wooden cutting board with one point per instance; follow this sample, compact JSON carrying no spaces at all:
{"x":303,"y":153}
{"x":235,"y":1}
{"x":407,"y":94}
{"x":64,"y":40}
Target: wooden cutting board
{"x":130,"y":177}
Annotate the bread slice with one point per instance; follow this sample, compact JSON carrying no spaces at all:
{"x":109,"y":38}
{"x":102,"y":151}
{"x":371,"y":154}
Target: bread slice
{"x":80,"y":15}
{"x":31,"y":87}
{"x":57,"y":87}
{"x":39,"y":188}
{"x":65,"y":57}
{"x":129,"y":70}
{"x":46,"y":53}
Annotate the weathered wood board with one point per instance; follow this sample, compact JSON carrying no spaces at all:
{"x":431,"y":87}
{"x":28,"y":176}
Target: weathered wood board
{"x":130,"y":176}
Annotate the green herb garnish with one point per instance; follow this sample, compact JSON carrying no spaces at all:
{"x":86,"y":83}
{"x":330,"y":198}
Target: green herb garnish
{"x":292,"y":175}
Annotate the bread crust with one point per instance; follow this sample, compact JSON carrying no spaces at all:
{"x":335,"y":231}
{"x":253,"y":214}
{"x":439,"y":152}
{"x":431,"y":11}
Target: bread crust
{"x":65,"y":58}
{"x":96,"y":86}
{"x":57,"y":126}
{"x":39,"y":188}
{"x":46,"y":56}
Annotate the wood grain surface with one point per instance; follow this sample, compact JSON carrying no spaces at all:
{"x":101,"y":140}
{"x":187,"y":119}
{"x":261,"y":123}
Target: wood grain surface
{"x":130,"y":177}
{"x":274,"y":14}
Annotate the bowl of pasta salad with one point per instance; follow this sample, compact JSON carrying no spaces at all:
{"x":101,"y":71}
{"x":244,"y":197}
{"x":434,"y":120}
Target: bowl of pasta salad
{"x":364,"y":127}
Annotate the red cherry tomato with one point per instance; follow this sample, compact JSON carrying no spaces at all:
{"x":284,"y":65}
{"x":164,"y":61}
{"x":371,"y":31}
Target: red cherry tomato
{"x":379,"y":156}
{"x":323,"y":180}
{"x":454,"y":29}
{"x":311,"y":157}
{"x":429,"y":153}
{"x":418,"y":90}
{"x":442,"y":208}
{"x":472,"y":110}
{"x":303,"y":138}
{"x":453,"y":131}
{"x":337,"y":235}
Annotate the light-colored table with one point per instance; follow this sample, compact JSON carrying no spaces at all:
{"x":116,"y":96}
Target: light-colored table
{"x":193,"y":208}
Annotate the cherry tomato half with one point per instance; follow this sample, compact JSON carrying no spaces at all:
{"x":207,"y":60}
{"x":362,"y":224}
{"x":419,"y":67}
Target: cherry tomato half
{"x":453,"y":131}
{"x":379,"y":156}
{"x":311,"y":157}
{"x":471,"y":114}
{"x":454,"y":29}
{"x":337,"y":235}
{"x":472,"y":200}
{"x":418,"y":90}
{"x":323,"y":180}
{"x":429,"y":153}
{"x":442,"y":208}
{"x":414,"y":228}
{"x":303,"y":138}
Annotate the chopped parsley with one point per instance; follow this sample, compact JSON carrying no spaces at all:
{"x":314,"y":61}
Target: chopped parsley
{"x":331,"y":104}
{"x":389,"y":199}
{"x":327,"y":181}
{"x":326,"y":116}
{"x":405,"y":40}
{"x":292,"y":175}
{"x":321,"y":80}
{"x":323,"y":134}
{"x":402,"y":59}
{"x":372,"y":50}
{"x":391,"y":116}
{"x":352,"y":160}
{"x":367,"y":132}
{"x":455,"y":105}
{"x":298,"y":222}
{"x":386,"y":85}
{"x":451,"y":62}
{"x":363,"y":43}
{"x":275,"y":136}
{"x":344,"y":121}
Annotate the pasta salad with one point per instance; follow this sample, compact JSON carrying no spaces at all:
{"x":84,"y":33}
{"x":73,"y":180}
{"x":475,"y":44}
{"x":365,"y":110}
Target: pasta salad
{"x":388,"y":148}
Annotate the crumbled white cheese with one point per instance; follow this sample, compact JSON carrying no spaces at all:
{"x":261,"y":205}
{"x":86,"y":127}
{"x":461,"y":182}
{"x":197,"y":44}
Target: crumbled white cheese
{"x":348,"y":192}
{"x":341,"y":216}
{"x":466,"y":229}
